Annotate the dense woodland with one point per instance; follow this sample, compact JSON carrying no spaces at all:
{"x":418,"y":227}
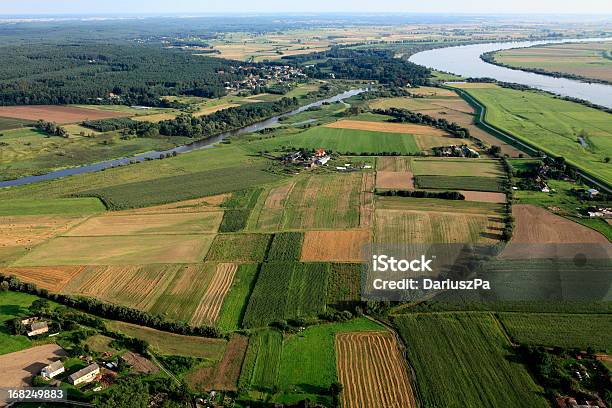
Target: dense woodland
{"x":366,"y":64}
{"x":84,"y":73}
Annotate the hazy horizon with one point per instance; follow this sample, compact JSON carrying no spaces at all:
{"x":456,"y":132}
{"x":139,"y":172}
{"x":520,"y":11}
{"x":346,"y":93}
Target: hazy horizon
{"x":152,"y":7}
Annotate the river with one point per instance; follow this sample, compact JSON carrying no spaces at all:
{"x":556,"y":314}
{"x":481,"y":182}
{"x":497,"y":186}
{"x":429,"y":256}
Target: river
{"x":465,"y":61}
{"x":200,"y":144}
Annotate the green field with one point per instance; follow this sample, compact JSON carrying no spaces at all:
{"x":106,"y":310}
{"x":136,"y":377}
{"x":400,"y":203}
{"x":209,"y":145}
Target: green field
{"x":239,"y":248}
{"x":13,"y":304}
{"x":29,"y":152}
{"x":308,"y":363}
{"x":586,"y":60}
{"x":64,"y":206}
{"x":287,"y":290}
{"x":173,"y":344}
{"x":343,"y":289}
{"x":456,"y":167}
{"x":224,"y":156}
{"x":563,"y":330}
{"x":551,"y":125}
{"x":463,"y":360}
{"x":178,"y":188}
{"x":460,"y":183}
{"x":286,"y":246}
{"x":236,"y":301}
{"x":262,"y":361}
{"x":12,"y":123}
{"x":345,"y":141}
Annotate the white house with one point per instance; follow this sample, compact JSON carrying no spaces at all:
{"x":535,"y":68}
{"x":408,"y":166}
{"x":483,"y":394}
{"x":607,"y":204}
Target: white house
{"x":85,"y":375}
{"x":37,"y":328}
{"x":52,"y":370}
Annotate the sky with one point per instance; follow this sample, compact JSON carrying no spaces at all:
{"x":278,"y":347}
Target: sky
{"x":31,"y":7}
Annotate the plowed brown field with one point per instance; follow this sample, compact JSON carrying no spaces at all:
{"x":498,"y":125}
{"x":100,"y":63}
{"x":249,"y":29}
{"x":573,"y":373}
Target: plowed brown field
{"x":535,"y":225}
{"x":53,"y":278}
{"x":483,"y":196}
{"x":387,"y":127}
{"x":210,"y":305}
{"x":372,"y":371}
{"x":395,"y":180}
{"x":57,"y":114}
{"x":334,"y":246}
{"x":541,"y":234}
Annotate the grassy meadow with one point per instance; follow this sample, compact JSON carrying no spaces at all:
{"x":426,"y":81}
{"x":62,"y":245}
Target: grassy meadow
{"x":551,"y":125}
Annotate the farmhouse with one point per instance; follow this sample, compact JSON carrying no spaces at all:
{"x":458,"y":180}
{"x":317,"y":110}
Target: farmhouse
{"x":52,"y":370}
{"x":592,"y":193}
{"x":85,"y":375}
{"x":37,"y":328}
{"x":322,"y":160}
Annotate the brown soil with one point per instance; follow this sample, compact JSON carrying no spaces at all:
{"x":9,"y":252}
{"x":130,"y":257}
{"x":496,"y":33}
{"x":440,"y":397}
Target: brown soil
{"x":372,"y":371}
{"x":210,"y":305}
{"x":334,"y":246}
{"x":277,"y":196}
{"x":19,"y":367}
{"x":139,"y":363}
{"x":57,"y":114}
{"x":395,"y":180}
{"x":540,"y":234}
{"x":484,"y":197}
{"x":386,"y":127}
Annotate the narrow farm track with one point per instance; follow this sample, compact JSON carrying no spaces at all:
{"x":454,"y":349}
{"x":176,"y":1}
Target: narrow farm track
{"x":372,"y":369}
{"x":210,"y":305}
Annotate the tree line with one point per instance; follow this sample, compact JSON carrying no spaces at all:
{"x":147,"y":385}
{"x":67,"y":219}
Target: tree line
{"x":445,"y":195}
{"x":406,"y":116}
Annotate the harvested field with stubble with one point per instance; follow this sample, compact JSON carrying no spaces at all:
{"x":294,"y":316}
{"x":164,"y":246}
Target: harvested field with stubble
{"x":393,"y":163}
{"x":203,"y":204}
{"x":373,"y":371}
{"x":394,"y":180}
{"x":207,"y":311}
{"x":180,"y":223}
{"x":402,"y":226}
{"x":31,"y":230}
{"x":386,"y":127}
{"x":56,"y":113}
{"x":136,"y":286}
{"x":53,"y":278}
{"x":334,"y":246}
{"x":366,"y":204}
{"x":223,"y":375}
{"x":119,"y":250}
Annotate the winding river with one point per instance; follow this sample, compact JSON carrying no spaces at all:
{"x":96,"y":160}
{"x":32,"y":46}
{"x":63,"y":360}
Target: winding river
{"x":200,"y":144}
{"x":465,"y":61}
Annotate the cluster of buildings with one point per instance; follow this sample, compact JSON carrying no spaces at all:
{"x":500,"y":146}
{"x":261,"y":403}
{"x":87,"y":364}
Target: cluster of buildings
{"x":600,"y":212}
{"x":570,"y":402}
{"x":259,"y":77}
{"x":83,"y":376}
{"x":300,"y":158}
{"x":456,"y":151}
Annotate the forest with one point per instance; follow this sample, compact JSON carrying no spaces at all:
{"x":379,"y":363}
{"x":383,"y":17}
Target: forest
{"x":107,"y":74}
{"x":366,"y":64}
